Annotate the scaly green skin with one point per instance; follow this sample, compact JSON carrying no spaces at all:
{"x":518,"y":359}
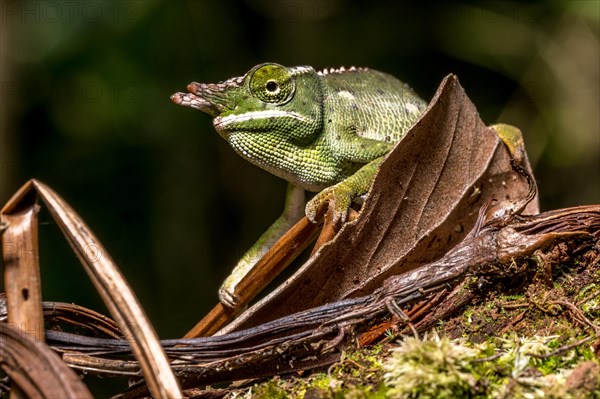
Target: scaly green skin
{"x":324,"y":131}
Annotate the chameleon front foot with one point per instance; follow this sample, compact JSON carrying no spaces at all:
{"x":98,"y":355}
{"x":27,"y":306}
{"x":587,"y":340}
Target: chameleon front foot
{"x":342,"y":194}
{"x":336,"y":195}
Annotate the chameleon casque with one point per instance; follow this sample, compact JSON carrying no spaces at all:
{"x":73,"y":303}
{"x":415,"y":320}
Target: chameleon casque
{"x":322,"y":131}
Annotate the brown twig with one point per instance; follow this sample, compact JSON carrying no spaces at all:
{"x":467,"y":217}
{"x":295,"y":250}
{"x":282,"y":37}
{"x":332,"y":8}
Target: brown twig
{"x":513,"y":322}
{"x":588,"y":298}
{"x":578,"y":314}
{"x":563,"y":349}
{"x":279,"y":256}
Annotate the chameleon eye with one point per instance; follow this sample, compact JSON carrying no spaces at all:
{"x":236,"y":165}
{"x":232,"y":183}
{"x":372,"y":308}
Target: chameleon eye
{"x":272,"y":86}
{"x":271,"y":83}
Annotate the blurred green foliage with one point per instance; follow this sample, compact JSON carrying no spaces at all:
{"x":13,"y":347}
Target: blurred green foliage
{"x":85,"y":108}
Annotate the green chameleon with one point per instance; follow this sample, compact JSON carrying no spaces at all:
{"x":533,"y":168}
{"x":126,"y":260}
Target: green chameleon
{"x":322,"y":131}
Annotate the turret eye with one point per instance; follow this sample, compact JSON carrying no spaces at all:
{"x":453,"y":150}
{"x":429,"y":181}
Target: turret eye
{"x":271,"y":83}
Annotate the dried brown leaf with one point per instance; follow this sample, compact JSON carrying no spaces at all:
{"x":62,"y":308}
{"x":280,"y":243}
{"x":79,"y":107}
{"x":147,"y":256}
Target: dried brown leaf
{"x":35,"y":368}
{"x":21,"y":263}
{"x":104,"y":273}
{"x":424,"y":200}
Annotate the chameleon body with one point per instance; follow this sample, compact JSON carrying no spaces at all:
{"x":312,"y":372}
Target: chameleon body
{"x":322,"y":131}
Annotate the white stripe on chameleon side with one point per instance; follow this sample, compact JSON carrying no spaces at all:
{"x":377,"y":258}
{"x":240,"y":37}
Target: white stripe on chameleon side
{"x":253,"y":115}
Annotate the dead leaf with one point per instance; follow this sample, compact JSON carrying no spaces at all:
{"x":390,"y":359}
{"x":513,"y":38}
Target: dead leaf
{"x":21,"y":264}
{"x":19,"y":216}
{"x":424,"y":200}
{"x":36,"y":369}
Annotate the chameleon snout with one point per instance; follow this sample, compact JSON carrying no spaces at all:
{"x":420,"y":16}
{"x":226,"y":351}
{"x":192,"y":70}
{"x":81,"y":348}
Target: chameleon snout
{"x":200,"y":96}
{"x":192,"y":101}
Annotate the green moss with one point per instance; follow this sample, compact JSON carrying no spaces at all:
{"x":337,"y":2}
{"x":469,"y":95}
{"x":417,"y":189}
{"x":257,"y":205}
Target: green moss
{"x":441,"y":368}
{"x":270,"y":390}
{"x":467,"y":315}
{"x":356,"y":375}
{"x":430,"y":369}
{"x":591,"y":307}
{"x":321,"y":381}
{"x":362,"y":392}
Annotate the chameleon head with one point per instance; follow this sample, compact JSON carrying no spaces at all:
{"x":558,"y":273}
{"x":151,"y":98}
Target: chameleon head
{"x":270,"y":107}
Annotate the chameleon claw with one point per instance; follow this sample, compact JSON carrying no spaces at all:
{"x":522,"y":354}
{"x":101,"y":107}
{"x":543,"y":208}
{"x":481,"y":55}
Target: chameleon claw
{"x":341,"y":200}
{"x":315,"y":210}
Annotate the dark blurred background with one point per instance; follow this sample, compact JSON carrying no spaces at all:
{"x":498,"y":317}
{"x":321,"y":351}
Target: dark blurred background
{"x":86,"y":109}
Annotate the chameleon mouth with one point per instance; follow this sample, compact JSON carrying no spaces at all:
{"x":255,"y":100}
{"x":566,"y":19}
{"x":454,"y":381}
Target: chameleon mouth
{"x":192,"y":101}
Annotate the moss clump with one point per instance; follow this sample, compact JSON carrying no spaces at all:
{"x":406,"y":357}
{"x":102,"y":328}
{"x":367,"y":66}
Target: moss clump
{"x":269,"y":390}
{"x":501,"y":367}
{"x":519,"y":368}
{"x":357,"y":375}
{"x":434,"y":368}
